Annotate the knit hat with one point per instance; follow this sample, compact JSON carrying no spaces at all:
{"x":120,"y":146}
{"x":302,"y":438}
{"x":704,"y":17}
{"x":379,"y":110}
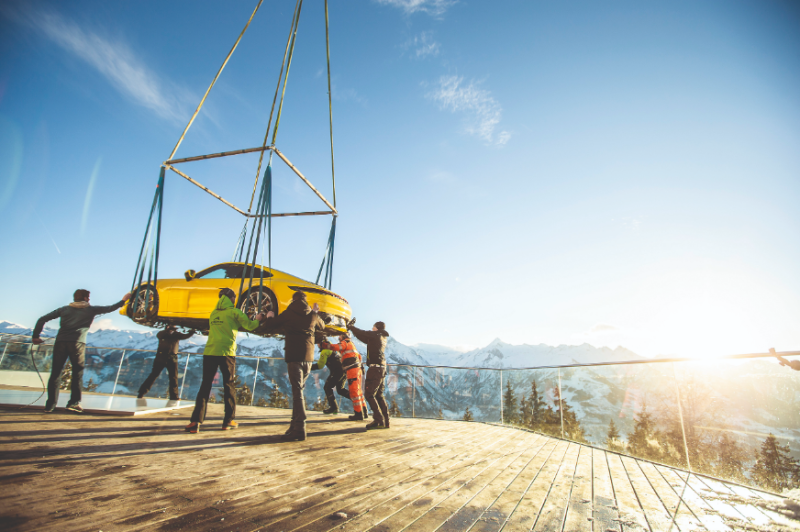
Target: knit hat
{"x":299,"y":296}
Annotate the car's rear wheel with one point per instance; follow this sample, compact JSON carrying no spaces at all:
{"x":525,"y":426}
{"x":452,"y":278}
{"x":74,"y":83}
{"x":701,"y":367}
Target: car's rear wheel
{"x":252,"y":302}
{"x":143,"y":307}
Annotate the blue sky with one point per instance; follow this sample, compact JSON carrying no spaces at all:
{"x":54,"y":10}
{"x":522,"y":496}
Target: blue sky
{"x":620,"y":173}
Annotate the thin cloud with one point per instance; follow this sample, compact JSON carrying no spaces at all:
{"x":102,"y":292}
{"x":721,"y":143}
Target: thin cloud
{"x":113,"y":59}
{"x":423,"y":45}
{"x":432,"y":7}
{"x":483,"y":111}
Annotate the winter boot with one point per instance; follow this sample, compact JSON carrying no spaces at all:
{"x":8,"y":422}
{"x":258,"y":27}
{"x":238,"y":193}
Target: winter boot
{"x":358,"y":416}
{"x":331,"y":410}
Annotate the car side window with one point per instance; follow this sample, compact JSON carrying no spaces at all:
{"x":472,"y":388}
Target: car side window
{"x":216,"y":273}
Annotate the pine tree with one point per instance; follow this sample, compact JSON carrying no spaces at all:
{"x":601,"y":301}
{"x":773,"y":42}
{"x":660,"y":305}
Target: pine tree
{"x":775,"y":468}
{"x":319,"y":405}
{"x":537,"y":408}
{"x":509,"y":405}
{"x":243,"y":394}
{"x":467,"y":415}
{"x":730,"y":459}
{"x":277,"y":399}
{"x":394,"y":410}
{"x":613,"y":440}
{"x":643,"y":431}
{"x":524,"y":411}
{"x":567,"y":420}
{"x":440,"y":415}
{"x":261,"y":402}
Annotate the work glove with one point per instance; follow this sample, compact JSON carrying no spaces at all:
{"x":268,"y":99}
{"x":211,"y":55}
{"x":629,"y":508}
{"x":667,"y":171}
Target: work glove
{"x":351,"y":323}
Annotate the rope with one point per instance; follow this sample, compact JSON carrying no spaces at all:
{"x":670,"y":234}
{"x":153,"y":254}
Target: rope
{"x":180,"y":140}
{"x":274,"y":99}
{"x":149,"y":250}
{"x":330,"y":103}
{"x":288,"y":66}
{"x":328,"y":259}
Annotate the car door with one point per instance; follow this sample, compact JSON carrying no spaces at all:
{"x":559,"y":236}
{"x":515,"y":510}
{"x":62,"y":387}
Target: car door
{"x":202,"y":292}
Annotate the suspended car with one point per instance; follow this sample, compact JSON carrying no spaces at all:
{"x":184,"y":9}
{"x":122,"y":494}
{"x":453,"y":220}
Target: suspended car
{"x":188,"y":302}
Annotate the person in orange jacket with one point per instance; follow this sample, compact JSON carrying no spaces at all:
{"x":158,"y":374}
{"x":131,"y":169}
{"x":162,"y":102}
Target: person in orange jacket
{"x":351,"y":363}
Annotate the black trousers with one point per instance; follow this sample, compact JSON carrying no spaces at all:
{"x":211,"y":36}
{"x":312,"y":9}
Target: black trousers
{"x":335,"y":382}
{"x":163,"y":360}
{"x":298,"y":373}
{"x":373,"y":390}
{"x":227,"y":367}
{"x":75,"y":353}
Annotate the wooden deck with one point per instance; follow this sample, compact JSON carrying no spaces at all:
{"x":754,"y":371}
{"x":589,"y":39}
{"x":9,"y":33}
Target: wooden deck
{"x":70,"y":472}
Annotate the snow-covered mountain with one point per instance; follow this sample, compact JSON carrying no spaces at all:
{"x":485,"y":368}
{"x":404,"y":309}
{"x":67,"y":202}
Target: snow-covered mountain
{"x":497,"y":354}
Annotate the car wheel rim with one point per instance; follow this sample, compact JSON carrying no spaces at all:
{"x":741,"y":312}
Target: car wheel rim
{"x":251,"y":305}
{"x":143,"y":308}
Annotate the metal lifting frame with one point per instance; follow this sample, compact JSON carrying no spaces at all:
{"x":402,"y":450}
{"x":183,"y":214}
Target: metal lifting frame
{"x":282,"y":77}
{"x":169,"y":164}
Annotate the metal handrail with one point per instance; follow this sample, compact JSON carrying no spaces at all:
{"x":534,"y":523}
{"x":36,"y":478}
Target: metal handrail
{"x":557,"y":366}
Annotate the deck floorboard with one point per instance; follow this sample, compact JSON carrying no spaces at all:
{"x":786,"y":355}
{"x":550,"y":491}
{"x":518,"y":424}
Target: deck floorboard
{"x":77,"y":473}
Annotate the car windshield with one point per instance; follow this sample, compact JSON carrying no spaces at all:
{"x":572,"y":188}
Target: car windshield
{"x":231,"y":271}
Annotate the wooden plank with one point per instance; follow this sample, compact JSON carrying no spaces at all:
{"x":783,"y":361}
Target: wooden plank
{"x":375,"y":505}
{"x":496,"y":516}
{"x":471,"y":511}
{"x":451,"y":514}
{"x":605,"y":512}
{"x":725,"y":492}
{"x":722,"y":507}
{"x":389,"y":490}
{"x":527,"y":511}
{"x":579,"y":512}
{"x":631,"y":514}
{"x":656,"y":513}
{"x":682,"y":515}
{"x":421,"y":514}
{"x":710,"y":519}
{"x":554,"y":509}
{"x":279,"y":502}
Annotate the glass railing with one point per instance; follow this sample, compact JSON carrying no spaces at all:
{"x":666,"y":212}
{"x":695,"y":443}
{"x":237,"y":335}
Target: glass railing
{"x":735,"y":418}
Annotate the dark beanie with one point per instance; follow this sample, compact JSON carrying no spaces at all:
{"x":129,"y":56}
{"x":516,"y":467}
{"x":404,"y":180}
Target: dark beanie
{"x":299,"y":296}
{"x":380,"y":325}
{"x":228,"y":292}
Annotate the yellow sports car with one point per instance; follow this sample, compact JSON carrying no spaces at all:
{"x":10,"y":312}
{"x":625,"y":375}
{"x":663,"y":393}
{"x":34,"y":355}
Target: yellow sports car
{"x":188,"y":302}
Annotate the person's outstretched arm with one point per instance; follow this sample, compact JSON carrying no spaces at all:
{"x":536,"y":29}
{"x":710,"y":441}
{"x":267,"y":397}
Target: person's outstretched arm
{"x":110,"y":308}
{"x":40,"y":325}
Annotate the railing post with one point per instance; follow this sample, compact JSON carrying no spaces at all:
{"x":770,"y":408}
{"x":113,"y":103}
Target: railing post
{"x":183,"y":380}
{"x":501,"y":397}
{"x":560,"y":403}
{"x":413,"y":390}
{"x":4,"y":353}
{"x":255,"y":379}
{"x":119,"y":368}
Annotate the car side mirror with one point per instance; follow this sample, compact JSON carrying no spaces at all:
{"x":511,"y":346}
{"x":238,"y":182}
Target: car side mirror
{"x":189,"y":274}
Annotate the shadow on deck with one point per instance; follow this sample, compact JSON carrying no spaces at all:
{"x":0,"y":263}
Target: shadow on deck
{"x":70,"y":472}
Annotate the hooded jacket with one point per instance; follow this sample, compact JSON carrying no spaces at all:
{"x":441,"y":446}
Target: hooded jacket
{"x":223,"y":326}
{"x":76,"y":318}
{"x":376,"y":344}
{"x":168,"y":341}
{"x":299,"y":326}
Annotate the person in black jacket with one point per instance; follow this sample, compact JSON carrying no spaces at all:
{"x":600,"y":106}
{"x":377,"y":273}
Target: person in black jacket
{"x":336,"y":376}
{"x":300,"y":326}
{"x":166,"y":357}
{"x":376,"y":341}
{"x":76,"y":318}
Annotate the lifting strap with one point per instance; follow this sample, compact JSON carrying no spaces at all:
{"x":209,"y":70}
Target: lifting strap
{"x":328,"y":258}
{"x":263,"y":212}
{"x":151,"y":246}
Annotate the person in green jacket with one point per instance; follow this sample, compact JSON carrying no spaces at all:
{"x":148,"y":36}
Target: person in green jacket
{"x":220,"y":353}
